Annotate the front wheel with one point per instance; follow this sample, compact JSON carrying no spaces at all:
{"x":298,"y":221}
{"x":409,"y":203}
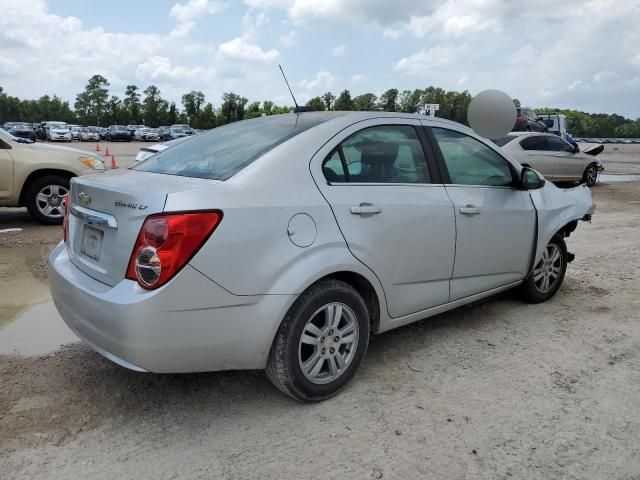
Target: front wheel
{"x":45,"y":199}
{"x":590,"y":176}
{"x":320,"y":343}
{"x":548,"y":273}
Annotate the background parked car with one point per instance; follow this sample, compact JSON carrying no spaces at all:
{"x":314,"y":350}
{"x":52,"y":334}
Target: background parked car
{"x":554,"y":157}
{"x":164,"y":132}
{"x":527,"y":121}
{"x":37,"y":175}
{"x":89,"y":134}
{"x":146,"y":135}
{"x":180,"y":130}
{"x":118,"y":133}
{"x":57,"y":132}
{"x":75,"y":131}
{"x":21,"y":130}
{"x":145,"y":152}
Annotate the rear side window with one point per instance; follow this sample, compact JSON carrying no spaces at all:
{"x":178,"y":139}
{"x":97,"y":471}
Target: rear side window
{"x":502,"y":141}
{"x":537,"y":142}
{"x":224,"y":151}
{"x":470,"y":162}
{"x":383,"y":154}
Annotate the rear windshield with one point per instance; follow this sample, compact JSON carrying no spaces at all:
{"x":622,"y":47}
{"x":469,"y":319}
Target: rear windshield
{"x":502,"y":141}
{"x":224,"y":151}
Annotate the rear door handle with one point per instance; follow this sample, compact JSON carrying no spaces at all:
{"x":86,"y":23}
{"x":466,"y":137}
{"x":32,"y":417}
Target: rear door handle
{"x":470,"y":210}
{"x":365,"y":209}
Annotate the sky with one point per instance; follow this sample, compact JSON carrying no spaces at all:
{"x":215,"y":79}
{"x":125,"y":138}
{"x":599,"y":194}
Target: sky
{"x":566,"y":54}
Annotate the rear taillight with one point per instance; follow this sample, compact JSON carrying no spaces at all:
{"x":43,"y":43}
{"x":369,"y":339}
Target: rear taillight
{"x":519,"y":120}
{"x":65,"y":221}
{"x":166,"y":243}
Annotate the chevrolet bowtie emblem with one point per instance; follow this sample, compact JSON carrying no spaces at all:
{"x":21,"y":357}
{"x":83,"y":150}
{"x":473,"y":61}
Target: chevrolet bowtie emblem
{"x":84,"y":199}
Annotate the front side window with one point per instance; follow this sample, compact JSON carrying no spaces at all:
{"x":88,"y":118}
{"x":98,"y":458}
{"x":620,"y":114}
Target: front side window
{"x":470,"y":162}
{"x":383,"y":154}
{"x":557,"y":144}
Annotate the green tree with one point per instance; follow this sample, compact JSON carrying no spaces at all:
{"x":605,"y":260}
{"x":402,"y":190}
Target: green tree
{"x":317,"y":104}
{"x":91,"y":104}
{"x":207,"y":118}
{"x":365,"y":102}
{"x":192,"y":103}
{"x":152,"y":105}
{"x":132,"y":103}
{"x":389,"y":100}
{"x":344,"y":101}
{"x":328,"y":99}
{"x":114,"y":110}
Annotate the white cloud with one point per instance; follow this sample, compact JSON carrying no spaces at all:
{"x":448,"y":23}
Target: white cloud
{"x":187,"y":13}
{"x":288,"y":39}
{"x":322,"y":80}
{"x":241,"y":49}
{"x":358,"y":78}
{"x":425,"y":61}
{"x":160,"y":68}
{"x":393,"y":33}
{"x":338,"y":50}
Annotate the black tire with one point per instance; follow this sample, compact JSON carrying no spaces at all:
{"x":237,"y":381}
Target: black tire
{"x":531,"y":292}
{"x":283,"y":365}
{"x":32,"y":191}
{"x":528,"y":129}
{"x":590,"y":175}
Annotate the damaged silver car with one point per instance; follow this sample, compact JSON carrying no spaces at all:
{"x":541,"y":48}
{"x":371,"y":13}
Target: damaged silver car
{"x":283,"y":242}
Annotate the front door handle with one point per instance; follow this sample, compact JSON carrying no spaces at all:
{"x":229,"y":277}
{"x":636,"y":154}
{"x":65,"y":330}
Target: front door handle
{"x":365,"y":209}
{"x":470,"y":210}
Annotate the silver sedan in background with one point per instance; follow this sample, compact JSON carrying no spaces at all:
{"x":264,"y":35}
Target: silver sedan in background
{"x":554,"y":157}
{"x":284,"y":242}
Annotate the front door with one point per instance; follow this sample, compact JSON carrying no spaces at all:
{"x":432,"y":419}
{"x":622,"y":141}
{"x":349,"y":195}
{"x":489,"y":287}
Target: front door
{"x":394,"y":219}
{"x":6,"y":171}
{"x":495,"y":222}
{"x":538,"y":155}
{"x":568,"y":164}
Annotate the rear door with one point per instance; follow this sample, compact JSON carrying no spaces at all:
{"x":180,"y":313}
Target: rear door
{"x":394,"y":213}
{"x":495,"y":222}
{"x":538,"y":156}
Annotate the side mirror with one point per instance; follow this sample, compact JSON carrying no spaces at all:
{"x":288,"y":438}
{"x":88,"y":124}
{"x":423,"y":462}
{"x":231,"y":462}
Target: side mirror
{"x":530,"y":179}
{"x":576,"y":148}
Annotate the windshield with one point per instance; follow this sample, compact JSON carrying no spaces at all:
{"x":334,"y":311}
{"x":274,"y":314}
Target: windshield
{"x":22,"y":126}
{"x":59,"y":126}
{"x":224,"y":151}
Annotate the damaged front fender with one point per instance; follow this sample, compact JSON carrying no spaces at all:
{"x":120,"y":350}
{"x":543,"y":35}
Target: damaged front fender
{"x":558,"y":208}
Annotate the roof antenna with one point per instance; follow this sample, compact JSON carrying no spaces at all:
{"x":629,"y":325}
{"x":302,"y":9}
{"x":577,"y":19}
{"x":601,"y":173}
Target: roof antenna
{"x":298,"y":109}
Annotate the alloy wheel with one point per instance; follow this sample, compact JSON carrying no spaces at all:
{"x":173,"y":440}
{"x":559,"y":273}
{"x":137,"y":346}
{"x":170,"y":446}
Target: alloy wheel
{"x":50,"y":201}
{"x":592,"y":176}
{"x":549,"y":268}
{"x":328,"y":343}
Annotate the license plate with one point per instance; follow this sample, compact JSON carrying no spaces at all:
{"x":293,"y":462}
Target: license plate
{"x":91,"y":242}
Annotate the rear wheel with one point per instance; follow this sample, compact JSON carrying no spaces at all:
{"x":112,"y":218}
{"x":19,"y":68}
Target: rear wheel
{"x":45,"y":198}
{"x":548,"y":273}
{"x":321,"y":342}
{"x":590,"y":176}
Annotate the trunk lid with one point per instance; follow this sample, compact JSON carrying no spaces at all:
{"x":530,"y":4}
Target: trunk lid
{"x":106,"y":212}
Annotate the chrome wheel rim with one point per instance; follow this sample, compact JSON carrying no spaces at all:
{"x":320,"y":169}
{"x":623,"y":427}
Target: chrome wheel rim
{"x":328,"y":343}
{"x":547,"y":273}
{"x":50,"y":201}
{"x":592,"y":176}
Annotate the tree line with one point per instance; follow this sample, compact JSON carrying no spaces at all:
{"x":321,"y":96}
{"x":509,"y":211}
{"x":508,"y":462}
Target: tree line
{"x":95,"y":105}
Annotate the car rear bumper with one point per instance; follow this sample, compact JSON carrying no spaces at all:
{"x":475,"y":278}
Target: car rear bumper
{"x":189,"y":325}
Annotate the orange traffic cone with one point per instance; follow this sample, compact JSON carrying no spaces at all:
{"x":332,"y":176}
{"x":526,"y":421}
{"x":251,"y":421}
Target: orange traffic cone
{"x":97,"y":147}
{"x":106,"y":151}
{"x":114,"y":165}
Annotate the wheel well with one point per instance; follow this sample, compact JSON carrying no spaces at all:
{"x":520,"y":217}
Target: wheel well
{"x":567,"y":229}
{"x":38,"y":174}
{"x":366,"y":290}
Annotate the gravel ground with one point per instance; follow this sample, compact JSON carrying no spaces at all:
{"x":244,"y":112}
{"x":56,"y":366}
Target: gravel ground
{"x":496,"y":389}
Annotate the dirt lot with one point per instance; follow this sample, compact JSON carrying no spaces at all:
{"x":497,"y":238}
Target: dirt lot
{"x":498,"y":389}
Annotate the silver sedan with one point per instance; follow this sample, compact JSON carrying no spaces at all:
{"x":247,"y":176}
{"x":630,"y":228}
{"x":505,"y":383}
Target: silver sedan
{"x":284,"y":242}
{"x":554,"y":157}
